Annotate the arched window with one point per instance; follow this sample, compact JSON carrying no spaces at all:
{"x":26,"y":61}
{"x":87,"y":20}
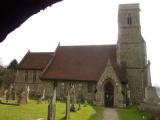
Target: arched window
{"x":129,"y":19}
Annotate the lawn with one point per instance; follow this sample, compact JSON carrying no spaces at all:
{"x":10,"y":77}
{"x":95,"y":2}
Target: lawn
{"x":131,"y":113}
{"x":33,"y":111}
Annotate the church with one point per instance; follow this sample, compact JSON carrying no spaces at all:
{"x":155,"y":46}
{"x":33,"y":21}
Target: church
{"x":106,"y":75}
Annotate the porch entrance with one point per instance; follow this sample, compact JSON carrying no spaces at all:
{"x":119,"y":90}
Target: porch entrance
{"x":109,"y":94}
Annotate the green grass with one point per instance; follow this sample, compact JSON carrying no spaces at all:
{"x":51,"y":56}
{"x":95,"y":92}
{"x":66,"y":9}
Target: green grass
{"x":33,"y":111}
{"x":131,"y":113}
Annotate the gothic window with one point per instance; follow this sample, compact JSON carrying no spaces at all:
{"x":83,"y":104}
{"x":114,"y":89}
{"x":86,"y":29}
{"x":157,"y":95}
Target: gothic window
{"x":26,"y":76}
{"x":89,"y":86}
{"x":34,"y":77}
{"x":129,"y":19}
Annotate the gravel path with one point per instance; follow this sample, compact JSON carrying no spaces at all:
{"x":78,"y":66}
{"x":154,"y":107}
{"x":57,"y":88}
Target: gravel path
{"x":110,"y":114}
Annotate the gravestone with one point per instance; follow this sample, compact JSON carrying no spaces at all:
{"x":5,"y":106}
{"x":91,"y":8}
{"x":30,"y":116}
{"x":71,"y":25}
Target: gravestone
{"x":41,"y":97}
{"x":14,"y":95}
{"x":51,"y":110}
{"x":6,"y":95}
{"x":9,"y":93}
{"x":27,"y":90}
{"x":52,"y":104}
{"x":73,"y":99}
{"x":22,"y":98}
{"x":68,"y":106}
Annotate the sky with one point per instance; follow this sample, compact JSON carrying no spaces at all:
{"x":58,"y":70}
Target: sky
{"x":82,"y":22}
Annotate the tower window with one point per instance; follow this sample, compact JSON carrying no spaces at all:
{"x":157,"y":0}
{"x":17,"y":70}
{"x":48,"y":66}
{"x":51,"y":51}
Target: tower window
{"x":129,"y":19}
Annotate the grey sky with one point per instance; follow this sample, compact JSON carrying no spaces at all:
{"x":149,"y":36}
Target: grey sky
{"x":74,"y":22}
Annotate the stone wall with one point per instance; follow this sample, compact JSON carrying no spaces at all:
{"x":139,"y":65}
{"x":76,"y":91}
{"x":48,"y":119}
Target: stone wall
{"x":35,"y":84}
{"x":136,"y":84}
{"x":84,"y":90}
{"x":151,"y":95}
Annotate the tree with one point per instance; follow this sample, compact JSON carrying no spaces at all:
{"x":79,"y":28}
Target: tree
{"x":7,"y":76}
{"x":13,"y":65}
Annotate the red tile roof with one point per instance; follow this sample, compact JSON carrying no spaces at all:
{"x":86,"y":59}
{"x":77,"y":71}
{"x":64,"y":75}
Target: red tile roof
{"x":35,"y":60}
{"x":80,"y":62}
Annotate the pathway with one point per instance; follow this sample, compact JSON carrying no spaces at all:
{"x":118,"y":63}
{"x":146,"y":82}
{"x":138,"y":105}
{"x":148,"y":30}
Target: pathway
{"x":110,"y":114}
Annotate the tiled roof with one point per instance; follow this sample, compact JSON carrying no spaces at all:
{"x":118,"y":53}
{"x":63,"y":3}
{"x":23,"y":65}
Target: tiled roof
{"x":35,"y":60}
{"x":85,"y":63}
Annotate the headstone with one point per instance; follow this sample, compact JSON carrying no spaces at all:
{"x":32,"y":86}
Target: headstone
{"x":52,"y":104}
{"x":85,"y":103}
{"x":79,"y":106}
{"x":6,"y":94}
{"x":9,"y":93}
{"x":14,"y":95}
{"x":129,"y":98}
{"x":27,"y":90}
{"x":22,"y":99}
{"x":41,"y":97}
{"x":51,"y":110}
{"x":43,"y":94}
{"x":68,"y":107}
{"x":73,"y":99}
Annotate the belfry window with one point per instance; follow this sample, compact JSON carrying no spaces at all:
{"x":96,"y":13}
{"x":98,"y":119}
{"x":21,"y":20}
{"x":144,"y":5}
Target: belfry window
{"x":129,"y":19}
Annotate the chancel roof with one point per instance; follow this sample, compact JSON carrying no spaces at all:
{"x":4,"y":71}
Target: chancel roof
{"x":35,"y":60}
{"x":84,"y":63}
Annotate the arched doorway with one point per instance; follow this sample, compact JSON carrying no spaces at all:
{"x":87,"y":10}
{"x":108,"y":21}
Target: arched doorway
{"x":109,"y":94}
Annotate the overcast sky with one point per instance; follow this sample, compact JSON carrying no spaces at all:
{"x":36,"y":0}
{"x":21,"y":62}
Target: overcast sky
{"x":82,"y":22}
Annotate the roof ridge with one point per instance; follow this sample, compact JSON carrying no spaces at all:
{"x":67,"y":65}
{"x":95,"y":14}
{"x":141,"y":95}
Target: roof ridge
{"x":28,"y":52}
{"x":49,"y":63}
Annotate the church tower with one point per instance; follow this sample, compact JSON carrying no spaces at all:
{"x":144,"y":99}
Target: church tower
{"x":131,"y":50}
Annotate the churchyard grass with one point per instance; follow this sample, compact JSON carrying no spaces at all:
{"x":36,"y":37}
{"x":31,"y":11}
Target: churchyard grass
{"x":131,"y":113}
{"x":34,"y":111}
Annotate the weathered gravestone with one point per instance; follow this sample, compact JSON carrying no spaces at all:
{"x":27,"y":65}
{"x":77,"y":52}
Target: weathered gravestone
{"x":51,"y":110}
{"x":67,"y":107}
{"x":8,"y":93}
{"x":22,"y":98}
{"x":27,"y":90}
{"x":73,"y":99}
{"x":52,"y":104}
{"x":41,"y":97}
